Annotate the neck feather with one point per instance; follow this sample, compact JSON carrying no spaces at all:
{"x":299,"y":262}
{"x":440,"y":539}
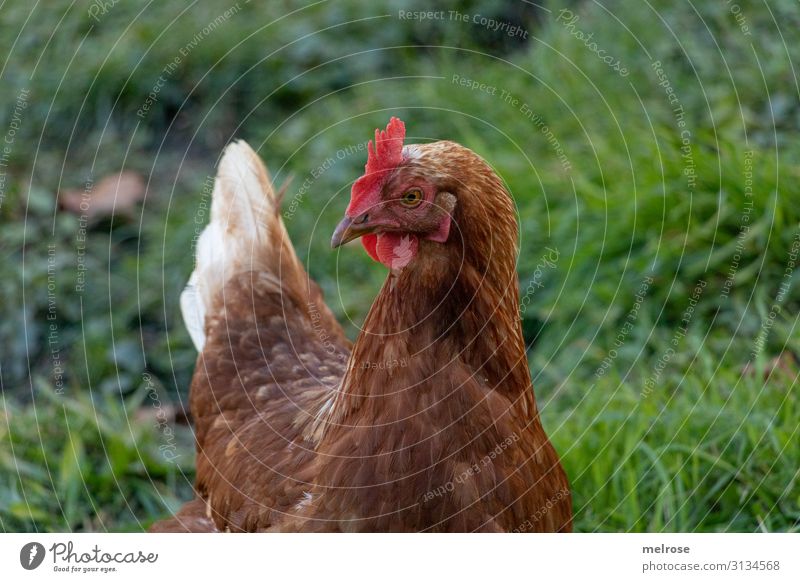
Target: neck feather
{"x":458,"y":300}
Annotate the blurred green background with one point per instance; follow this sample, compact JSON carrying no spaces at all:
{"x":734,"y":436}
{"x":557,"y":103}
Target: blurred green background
{"x":651,"y":149}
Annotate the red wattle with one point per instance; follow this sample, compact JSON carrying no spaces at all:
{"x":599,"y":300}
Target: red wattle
{"x":392,"y":250}
{"x":370,"y":242}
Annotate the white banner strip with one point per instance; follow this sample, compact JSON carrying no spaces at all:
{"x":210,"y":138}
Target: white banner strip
{"x":379,"y":557}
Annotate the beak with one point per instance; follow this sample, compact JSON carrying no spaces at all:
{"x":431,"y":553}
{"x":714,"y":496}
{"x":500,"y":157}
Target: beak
{"x":349,"y":229}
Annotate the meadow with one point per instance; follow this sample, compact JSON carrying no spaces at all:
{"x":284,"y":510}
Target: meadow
{"x":651,"y":149}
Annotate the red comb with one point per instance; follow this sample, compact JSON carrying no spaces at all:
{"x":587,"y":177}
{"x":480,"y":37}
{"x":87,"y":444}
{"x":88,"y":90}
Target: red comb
{"x":384,"y":155}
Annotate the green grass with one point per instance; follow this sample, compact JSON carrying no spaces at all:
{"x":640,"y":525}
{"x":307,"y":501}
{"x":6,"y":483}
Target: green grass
{"x":709,"y":450}
{"x":88,"y":461}
{"x":711,"y":446}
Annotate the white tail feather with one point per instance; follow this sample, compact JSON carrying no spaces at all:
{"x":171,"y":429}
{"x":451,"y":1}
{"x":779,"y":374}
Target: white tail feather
{"x":242,"y":214}
{"x":194,"y":313}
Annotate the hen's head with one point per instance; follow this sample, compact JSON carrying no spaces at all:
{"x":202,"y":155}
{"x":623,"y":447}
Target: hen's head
{"x":411,"y":197}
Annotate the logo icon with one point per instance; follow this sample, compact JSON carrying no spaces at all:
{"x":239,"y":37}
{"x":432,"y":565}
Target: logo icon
{"x":31,"y":555}
{"x":403,"y":253}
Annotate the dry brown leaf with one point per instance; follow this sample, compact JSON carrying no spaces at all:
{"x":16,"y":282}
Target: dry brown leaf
{"x":113,"y":195}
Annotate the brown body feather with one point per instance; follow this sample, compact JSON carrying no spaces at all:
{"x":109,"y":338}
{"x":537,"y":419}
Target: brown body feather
{"x":430,"y":424}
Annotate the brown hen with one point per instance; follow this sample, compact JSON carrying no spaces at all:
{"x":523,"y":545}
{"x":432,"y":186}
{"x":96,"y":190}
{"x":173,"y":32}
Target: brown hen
{"x":428,"y":422}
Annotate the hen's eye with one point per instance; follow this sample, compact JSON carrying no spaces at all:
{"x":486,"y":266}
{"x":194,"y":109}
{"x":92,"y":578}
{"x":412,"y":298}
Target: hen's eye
{"x":412,"y":197}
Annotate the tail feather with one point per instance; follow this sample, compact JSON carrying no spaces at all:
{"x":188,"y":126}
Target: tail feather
{"x":194,"y":313}
{"x":245,"y":233}
{"x":271,"y":351}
